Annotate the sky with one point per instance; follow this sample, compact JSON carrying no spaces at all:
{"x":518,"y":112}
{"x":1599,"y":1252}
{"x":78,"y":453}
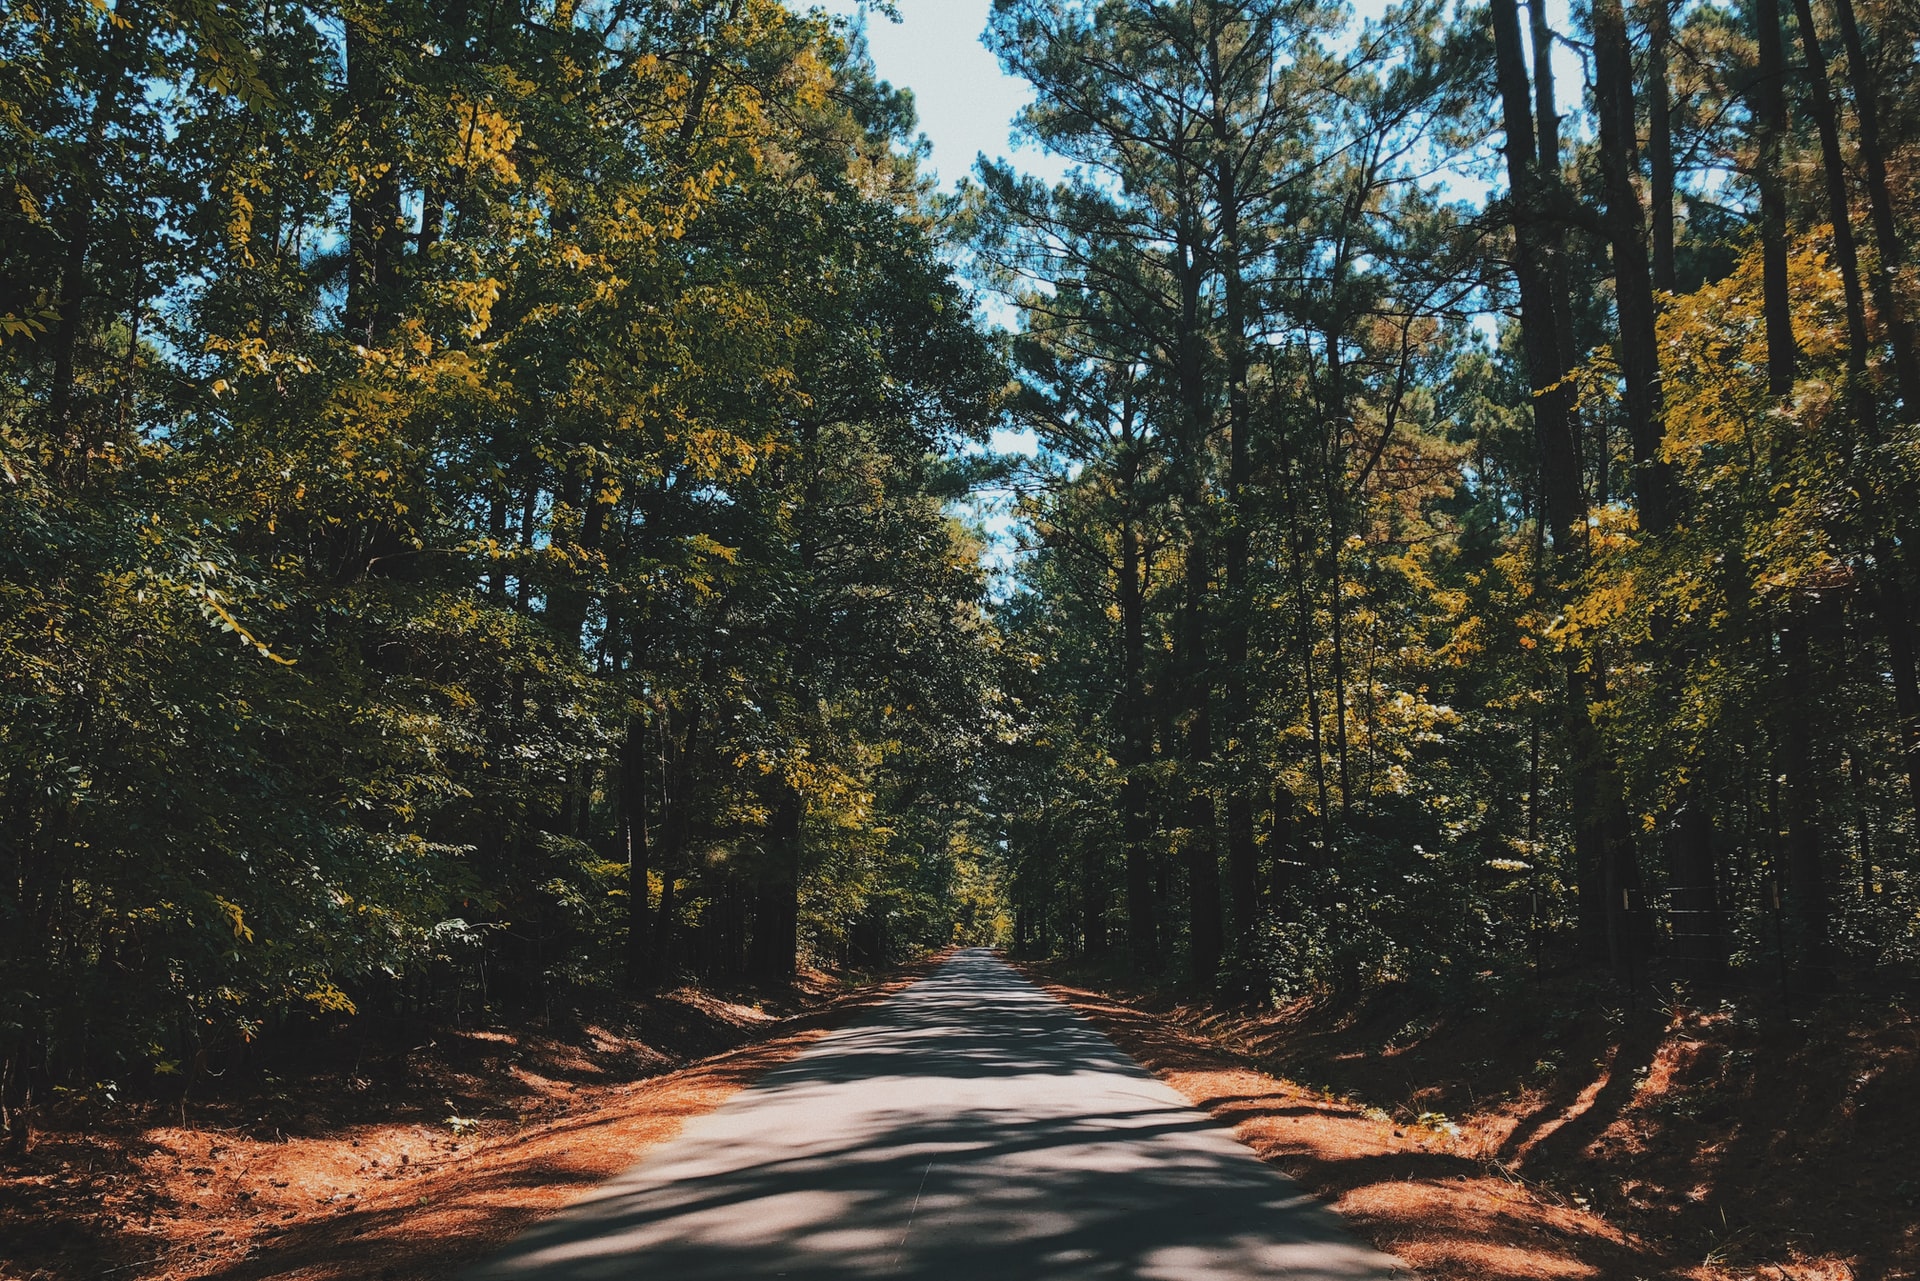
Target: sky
{"x":966,"y":103}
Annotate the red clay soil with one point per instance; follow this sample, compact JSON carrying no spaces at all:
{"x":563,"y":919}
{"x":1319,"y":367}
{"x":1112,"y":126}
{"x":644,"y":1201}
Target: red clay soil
{"x":1536,"y":1136}
{"x":395,"y":1168}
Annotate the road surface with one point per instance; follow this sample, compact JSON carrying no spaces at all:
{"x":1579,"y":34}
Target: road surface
{"x":970,"y":1128}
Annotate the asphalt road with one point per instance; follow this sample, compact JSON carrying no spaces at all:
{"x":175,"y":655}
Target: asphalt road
{"x":971,"y":1128}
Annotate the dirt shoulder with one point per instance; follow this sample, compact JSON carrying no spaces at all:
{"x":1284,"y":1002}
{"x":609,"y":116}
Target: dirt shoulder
{"x":395,"y":1165}
{"x":1535,"y":1137}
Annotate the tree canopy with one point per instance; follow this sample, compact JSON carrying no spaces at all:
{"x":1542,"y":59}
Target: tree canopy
{"x":477,"y":512}
{"x":1422,"y":584}
{"x":485,"y":504}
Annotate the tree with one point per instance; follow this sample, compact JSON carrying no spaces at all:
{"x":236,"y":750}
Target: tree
{"x":436,"y":432}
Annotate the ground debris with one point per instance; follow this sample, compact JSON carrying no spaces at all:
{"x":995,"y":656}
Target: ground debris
{"x":1538,"y":1136}
{"x":367,"y":1178}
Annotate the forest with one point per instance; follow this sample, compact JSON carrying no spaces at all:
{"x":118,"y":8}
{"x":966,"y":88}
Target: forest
{"x":496,"y":501}
{"x":1419,"y":587}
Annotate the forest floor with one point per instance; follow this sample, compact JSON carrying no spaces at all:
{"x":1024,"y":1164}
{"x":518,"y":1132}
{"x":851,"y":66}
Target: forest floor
{"x":395,"y":1154}
{"x":1557,"y":1131}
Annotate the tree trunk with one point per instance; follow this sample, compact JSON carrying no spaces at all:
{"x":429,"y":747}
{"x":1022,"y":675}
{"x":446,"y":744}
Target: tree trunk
{"x":1547,"y":363}
{"x":632,"y":834}
{"x":1333,"y":475}
{"x":774,"y":951}
{"x":1283,"y":852}
{"x":682,"y":730}
{"x":1892,"y":251}
{"x":1204,"y":938}
{"x":1846,"y":255}
{"x":1136,"y":746}
{"x":1093,"y":902}
{"x":1605,"y":868}
{"x":374,"y":235}
{"x":1769,"y":103}
{"x":1243,"y":860}
{"x":16,"y":1094}
{"x":1894,"y":617}
{"x":1807,"y":891}
{"x":569,"y":596}
{"x":1303,"y":641}
{"x":1699,"y":941}
{"x":1240,"y":786}
{"x":1196,"y":667}
{"x":1660,"y":143}
{"x":1546,"y":114}
{"x":1337,"y":633}
{"x":1551,"y":235}
{"x":1638,"y":351}
{"x":433,"y":215}
{"x":1891,"y":605}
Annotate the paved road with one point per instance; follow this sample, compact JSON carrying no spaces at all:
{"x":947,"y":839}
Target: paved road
{"x":971,"y":1128}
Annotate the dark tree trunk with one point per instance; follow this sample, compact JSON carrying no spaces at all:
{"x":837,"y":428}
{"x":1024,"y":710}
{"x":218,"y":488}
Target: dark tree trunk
{"x":775,"y":949}
{"x":1196,"y":665}
{"x":497,"y":532}
{"x":1547,"y":362}
{"x":569,"y":598}
{"x":1243,"y":860}
{"x":1808,"y":893}
{"x":1136,"y":744}
{"x":1240,"y":785}
{"x":1697,"y":927}
{"x":1603,"y":869}
{"x":1892,"y":250}
{"x":1093,"y":902}
{"x":433,"y":212}
{"x":1242,"y":851}
{"x":1894,"y":617}
{"x":16,"y":1093}
{"x":1660,"y":143}
{"x":1142,"y":931}
{"x":78,"y":231}
{"x":1846,"y":254}
{"x":1333,"y":476}
{"x":632,"y":834}
{"x":1283,"y":852}
{"x":1699,"y":939}
{"x":1769,"y":102}
{"x":1611,"y":929}
{"x":1551,"y":233}
{"x":1296,"y":537}
{"x":1546,"y":114}
{"x":1337,"y":635}
{"x":682,"y":736}
{"x":374,"y":234}
{"x":1638,"y":349}
{"x":1204,"y":938}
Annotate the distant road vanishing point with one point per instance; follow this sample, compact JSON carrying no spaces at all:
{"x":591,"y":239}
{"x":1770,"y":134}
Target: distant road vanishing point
{"x":971,"y":1128}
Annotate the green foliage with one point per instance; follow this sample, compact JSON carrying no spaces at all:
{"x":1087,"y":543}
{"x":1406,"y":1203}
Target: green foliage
{"x":477,"y":515}
{"x":1294,"y":620}
{"x":473,"y":516}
